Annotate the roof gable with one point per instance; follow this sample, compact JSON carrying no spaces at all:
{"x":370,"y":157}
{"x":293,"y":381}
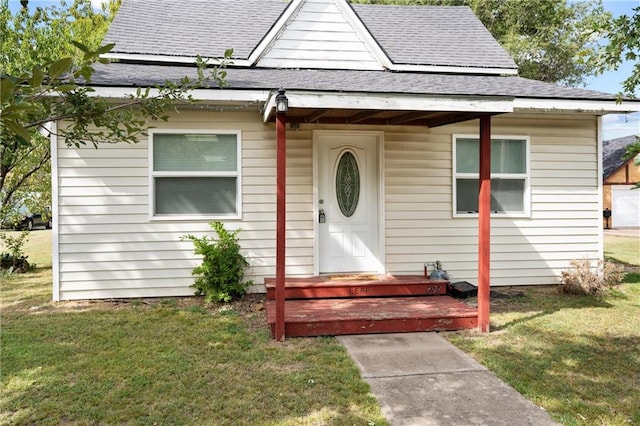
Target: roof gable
{"x":613,"y":151}
{"x":321,"y":34}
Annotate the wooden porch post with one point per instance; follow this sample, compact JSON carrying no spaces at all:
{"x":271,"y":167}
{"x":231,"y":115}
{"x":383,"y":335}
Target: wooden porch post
{"x":484,"y":224}
{"x":281,"y":206}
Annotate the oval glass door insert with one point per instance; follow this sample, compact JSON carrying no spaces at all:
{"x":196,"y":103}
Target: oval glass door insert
{"x":347,"y":184}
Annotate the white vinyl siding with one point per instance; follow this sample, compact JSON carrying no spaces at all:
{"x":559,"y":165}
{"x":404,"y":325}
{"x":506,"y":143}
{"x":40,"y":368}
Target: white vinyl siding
{"x":563,"y":223}
{"x":109,"y":246}
{"x":319,"y":36}
{"x":195,"y":174}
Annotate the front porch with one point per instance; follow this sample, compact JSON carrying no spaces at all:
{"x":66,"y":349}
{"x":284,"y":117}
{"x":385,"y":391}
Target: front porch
{"x":362,"y":304}
{"x":361,"y":245}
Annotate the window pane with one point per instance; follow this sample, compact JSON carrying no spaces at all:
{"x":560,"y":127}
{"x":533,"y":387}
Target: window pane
{"x":196,"y":195}
{"x":347,"y":184}
{"x":507,"y":195}
{"x":194,"y":152}
{"x":467,"y":195}
{"x":508,"y":156}
{"x":467,"y":156}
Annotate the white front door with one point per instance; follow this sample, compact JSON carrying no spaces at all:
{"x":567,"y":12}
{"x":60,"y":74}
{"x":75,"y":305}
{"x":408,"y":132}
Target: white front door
{"x":348,"y":203}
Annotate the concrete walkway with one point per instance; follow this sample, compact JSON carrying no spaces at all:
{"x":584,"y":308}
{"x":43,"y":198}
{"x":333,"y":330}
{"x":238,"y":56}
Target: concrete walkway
{"x":422,"y":379}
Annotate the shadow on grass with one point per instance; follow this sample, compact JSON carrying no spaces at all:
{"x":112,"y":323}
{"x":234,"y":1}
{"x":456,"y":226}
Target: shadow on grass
{"x":580,"y":378}
{"x":577,"y":356}
{"x":632,"y":277}
{"x":538,"y":303}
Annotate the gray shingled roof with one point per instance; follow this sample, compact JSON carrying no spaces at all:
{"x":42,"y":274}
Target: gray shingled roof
{"x":423,"y":35}
{"x":144,"y":75}
{"x":612,"y":152}
{"x":433,"y":35}
{"x":193,"y":27}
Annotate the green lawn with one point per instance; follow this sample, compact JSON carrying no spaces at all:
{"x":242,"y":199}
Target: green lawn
{"x":177,"y":361}
{"x":622,"y":249}
{"x":577,"y":357}
{"x":172,"y":361}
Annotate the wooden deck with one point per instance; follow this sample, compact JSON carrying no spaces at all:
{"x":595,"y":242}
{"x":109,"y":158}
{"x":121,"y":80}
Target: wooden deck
{"x":389,"y":304}
{"x":355,"y":286}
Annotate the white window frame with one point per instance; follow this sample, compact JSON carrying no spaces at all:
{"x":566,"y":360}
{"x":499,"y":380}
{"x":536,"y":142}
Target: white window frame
{"x":525,"y":176}
{"x":237,"y":174}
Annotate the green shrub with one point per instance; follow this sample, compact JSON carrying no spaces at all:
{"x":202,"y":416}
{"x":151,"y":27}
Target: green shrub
{"x":220,"y":276}
{"x":15,"y":261}
{"x":582,"y":278}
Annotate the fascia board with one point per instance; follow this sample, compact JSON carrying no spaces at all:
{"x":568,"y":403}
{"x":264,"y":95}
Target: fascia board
{"x":576,"y":105}
{"x":398,"y":102}
{"x":269,"y":107}
{"x":166,"y":59}
{"x":364,"y":33}
{"x":246,"y":63}
{"x":272,"y":34}
{"x":385,"y":102}
{"x":453,"y":69}
{"x":196,"y":94}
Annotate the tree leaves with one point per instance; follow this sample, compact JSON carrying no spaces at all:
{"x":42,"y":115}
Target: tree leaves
{"x":37,"y":76}
{"x":59,"y":67}
{"x":623,"y":35}
{"x":46,"y":78}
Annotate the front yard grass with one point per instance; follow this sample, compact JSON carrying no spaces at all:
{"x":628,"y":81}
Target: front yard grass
{"x":168,"y":361}
{"x":577,"y":357}
{"x":179,"y":361}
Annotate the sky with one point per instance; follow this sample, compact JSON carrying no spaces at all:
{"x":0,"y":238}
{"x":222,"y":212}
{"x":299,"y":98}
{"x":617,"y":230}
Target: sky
{"x":614,"y":125}
{"x":617,"y":125}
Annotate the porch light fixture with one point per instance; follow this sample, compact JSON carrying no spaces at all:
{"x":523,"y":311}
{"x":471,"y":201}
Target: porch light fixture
{"x":282,"y":103}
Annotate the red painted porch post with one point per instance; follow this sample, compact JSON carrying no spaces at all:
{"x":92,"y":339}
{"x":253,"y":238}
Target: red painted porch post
{"x":281,"y":206}
{"x":484,"y":224}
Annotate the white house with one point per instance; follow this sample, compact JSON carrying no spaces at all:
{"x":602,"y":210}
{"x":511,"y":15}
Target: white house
{"x":382,"y":140}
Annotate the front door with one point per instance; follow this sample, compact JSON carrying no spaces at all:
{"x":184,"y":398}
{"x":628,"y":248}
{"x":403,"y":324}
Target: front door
{"x":348,"y":203}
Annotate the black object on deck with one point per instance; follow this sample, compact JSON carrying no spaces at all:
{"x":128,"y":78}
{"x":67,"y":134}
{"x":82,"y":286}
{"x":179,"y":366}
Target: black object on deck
{"x":462,"y":290}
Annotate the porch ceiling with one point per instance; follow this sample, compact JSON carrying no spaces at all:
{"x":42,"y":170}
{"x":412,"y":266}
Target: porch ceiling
{"x":378,"y":117}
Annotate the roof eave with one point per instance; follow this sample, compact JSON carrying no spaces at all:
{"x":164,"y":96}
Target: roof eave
{"x":142,"y":58}
{"x":391,"y":101}
{"x":592,"y":106}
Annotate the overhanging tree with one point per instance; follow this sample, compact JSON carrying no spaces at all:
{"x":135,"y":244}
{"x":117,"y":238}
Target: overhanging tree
{"x":29,"y":39}
{"x":623,"y":44}
{"x":41,"y":83}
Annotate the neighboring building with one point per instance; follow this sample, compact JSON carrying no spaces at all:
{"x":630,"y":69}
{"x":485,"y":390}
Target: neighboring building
{"x":387,"y":99}
{"x":620,"y":179}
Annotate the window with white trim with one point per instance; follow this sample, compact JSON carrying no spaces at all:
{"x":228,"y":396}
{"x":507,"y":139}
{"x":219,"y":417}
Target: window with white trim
{"x":509,"y":175}
{"x":195,"y":174}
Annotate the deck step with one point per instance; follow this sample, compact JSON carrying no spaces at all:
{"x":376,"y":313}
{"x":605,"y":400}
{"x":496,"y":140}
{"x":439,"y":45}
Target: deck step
{"x":322,"y":317}
{"x":357,"y":287}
